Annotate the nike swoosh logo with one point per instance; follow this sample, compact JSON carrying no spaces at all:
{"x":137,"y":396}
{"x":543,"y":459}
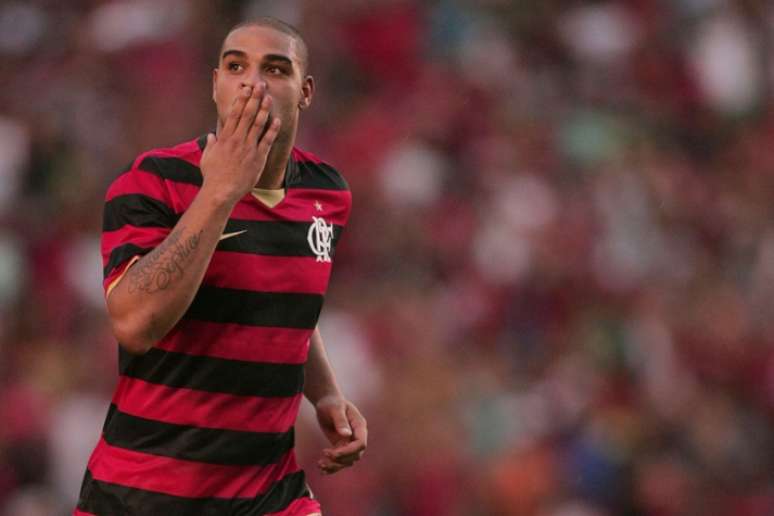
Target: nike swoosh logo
{"x":229,"y":235}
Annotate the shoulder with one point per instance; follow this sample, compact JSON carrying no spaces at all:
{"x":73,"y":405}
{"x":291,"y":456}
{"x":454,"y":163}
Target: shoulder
{"x":190,"y":150}
{"x":309,"y":171}
{"x":152,"y":170}
{"x":179,"y":163}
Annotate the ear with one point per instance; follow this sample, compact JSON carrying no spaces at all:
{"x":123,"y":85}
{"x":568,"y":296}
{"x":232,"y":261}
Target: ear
{"x":214,"y":83}
{"x":307,"y":92}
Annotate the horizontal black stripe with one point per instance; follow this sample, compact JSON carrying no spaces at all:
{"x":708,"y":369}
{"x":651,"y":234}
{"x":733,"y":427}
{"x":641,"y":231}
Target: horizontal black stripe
{"x":216,"y":374}
{"x":300,"y":174}
{"x":304,"y":174}
{"x":273,"y":238}
{"x":281,"y":494}
{"x":122,"y":253}
{"x":125,"y":359}
{"x":172,"y":169}
{"x":106,"y":499}
{"x":275,"y":309}
{"x":137,"y":210}
{"x":215,"y":446}
{"x":259,"y":237}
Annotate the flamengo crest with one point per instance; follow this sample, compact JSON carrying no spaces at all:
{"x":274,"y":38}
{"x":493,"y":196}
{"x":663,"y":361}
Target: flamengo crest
{"x":320,"y":236}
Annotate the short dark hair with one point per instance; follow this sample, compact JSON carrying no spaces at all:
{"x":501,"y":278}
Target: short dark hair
{"x":281,"y":26}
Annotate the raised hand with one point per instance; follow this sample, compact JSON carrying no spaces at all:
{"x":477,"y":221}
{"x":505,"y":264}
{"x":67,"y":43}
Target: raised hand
{"x":233,"y":161}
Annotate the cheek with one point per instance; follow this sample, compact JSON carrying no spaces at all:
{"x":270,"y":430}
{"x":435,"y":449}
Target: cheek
{"x":223,"y":99}
{"x":285,"y":111}
{"x":224,"y":88}
{"x":286,"y":101}
{"x":220,"y":99}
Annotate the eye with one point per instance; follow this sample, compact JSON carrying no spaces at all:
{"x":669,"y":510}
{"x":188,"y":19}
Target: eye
{"x":234,"y":67}
{"x":275,"y":70}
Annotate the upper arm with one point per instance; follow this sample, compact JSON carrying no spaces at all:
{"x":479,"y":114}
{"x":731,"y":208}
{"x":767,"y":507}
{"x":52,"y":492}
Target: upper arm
{"x":137,"y":217}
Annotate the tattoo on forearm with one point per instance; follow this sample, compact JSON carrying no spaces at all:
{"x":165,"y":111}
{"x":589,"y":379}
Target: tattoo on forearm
{"x":165,"y":264}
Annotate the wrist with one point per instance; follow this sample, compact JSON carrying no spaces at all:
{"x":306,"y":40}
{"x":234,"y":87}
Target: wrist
{"x":219,"y":197}
{"x":333,"y":397}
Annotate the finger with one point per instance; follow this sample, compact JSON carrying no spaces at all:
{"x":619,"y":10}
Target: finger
{"x":344,"y":461}
{"x":347,"y":460}
{"x":350,"y":448}
{"x":211,"y":139}
{"x":269,"y":136}
{"x":358,"y":424}
{"x":341,"y":422}
{"x":251,"y":109}
{"x":328,"y":467}
{"x":259,"y":123}
{"x":235,"y":113}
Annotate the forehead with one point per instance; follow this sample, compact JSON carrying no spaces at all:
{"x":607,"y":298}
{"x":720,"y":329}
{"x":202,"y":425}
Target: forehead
{"x":257,"y":41}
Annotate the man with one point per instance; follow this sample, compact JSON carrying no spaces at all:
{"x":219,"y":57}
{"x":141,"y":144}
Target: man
{"x":217,"y":256}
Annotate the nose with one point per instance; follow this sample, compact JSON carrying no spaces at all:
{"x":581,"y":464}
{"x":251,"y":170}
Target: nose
{"x":253,"y":80}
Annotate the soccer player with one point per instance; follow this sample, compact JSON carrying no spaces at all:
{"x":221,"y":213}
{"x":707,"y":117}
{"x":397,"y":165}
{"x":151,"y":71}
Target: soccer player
{"x":217,"y":256}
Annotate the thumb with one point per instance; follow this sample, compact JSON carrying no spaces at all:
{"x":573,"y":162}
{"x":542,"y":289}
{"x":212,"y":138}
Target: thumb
{"x":340,"y":421}
{"x":211,"y":139}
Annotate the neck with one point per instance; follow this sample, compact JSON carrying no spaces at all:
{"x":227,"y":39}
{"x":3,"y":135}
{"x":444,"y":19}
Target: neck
{"x":273,"y":174}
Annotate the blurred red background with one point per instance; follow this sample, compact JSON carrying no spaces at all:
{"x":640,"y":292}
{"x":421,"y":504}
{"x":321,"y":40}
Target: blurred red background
{"x":556,"y":293}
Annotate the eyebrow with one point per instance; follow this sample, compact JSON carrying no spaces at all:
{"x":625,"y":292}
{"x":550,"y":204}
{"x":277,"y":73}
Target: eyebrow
{"x":279,"y":57}
{"x":267,"y":57}
{"x":237,"y":53}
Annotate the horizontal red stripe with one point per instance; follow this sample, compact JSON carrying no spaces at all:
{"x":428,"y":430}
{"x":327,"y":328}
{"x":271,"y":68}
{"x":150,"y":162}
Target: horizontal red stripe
{"x":141,"y":237}
{"x":293,"y":274}
{"x":300,"y":507}
{"x":188,"y":151}
{"x":205,"y":409}
{"x":79,"y":512}
{"x":335,"y":204}
{"x":237,"y":342}
{"x":138,"y":181}
{"x":185,"y":478}
{"x":300,"y":274}
{"x":299,"y":205}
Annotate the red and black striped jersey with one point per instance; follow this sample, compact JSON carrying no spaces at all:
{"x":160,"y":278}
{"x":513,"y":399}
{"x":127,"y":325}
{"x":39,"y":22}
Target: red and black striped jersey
{"x":203,"y":423}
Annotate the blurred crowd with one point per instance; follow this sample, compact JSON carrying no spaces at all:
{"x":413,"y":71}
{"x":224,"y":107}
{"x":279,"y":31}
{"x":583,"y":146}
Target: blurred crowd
{"x":556,"y":293}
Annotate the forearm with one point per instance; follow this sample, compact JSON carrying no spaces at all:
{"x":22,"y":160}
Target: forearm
{"x":157,"y":290}
{"x":320,"y":380}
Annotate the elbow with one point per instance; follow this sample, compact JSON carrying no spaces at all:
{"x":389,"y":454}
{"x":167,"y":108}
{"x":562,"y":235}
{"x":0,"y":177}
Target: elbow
{"x":132,"y":336}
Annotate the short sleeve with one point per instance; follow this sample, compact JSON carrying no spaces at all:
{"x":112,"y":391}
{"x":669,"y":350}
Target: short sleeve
{"x":137,"y":217}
